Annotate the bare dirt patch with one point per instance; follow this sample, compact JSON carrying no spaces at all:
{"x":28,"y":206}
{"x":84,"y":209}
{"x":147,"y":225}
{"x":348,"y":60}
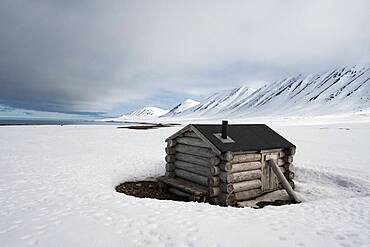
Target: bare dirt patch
{"x":147,"y":189}
{"x":150,"y":189}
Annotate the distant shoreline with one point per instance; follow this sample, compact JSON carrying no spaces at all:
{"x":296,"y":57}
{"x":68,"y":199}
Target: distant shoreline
{"x":51,"y":122}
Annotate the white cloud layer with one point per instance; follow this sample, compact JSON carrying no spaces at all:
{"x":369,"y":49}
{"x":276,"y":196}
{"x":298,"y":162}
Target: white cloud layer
{"x":91,"y":55}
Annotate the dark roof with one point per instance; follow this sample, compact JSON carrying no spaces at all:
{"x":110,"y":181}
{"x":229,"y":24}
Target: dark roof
{"x":247,"y":137}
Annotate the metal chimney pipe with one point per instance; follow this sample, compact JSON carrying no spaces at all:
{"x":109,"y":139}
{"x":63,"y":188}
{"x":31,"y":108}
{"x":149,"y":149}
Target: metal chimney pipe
{"x":224,"y":129}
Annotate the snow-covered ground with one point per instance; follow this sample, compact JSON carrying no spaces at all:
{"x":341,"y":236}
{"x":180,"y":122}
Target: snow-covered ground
{"x":57,"y":189}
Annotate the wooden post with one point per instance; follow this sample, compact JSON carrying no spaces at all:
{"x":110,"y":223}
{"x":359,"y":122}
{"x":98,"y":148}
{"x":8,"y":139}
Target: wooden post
{"x":283,"y":180}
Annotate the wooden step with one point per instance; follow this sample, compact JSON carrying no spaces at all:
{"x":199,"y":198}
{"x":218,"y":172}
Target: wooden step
{"x":185,"y":185}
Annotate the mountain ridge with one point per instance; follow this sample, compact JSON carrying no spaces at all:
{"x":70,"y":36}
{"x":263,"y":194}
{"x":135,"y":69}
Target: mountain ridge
{"x":337,"y":90}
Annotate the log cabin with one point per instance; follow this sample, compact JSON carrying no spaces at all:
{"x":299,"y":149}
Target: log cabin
{"x":230,"y":165}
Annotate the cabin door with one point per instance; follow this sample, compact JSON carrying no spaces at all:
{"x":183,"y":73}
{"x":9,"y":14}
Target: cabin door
{"x":269,"y":180}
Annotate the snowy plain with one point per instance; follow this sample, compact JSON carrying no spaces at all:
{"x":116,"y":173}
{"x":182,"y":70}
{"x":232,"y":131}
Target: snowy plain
{"x":57,"y":189}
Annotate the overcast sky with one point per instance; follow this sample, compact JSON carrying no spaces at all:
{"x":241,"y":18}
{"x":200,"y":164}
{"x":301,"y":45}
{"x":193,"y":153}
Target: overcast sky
{"x":110,"y":56}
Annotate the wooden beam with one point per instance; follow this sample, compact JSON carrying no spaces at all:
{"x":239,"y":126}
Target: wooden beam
{"x":190,"y":134}
{"x":242,"y":158}
{"x":206,"y":162}
{"x":241,"y":186}
{"x":170,"y":150}
{"x":198,"y":151}
{"x":197,"y":142}
{"x":193,"y":168}
{"x":268,"y":197}
{"x":180,"y":193}
{"x":202,"y":180}
{"x":248,"y":194}
{"x":240,"y":176}
{"x":185,"y":185}
{"x":283,"y":180}
{"x":240,"y":167}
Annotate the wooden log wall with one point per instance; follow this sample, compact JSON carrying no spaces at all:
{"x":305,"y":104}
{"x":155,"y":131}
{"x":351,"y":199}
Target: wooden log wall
{"x":190,"y":158}
{"x":231,"y":178}
{"x":241,"y":174}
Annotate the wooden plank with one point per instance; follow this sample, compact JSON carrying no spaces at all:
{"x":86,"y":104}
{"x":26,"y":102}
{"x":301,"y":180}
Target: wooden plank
{"x":201,"y":180}
{"x":198,"y":151}
{"x":247,"y":194}
{"x":240,"y":176}
{"x":197,"y":142}
{"x":179,"y":193}
{"x":240,"y":167}
{"x":283,"y":180}
{"x":206,"y":162}
{"x":241,"y":186}
{"x":242,"y":158}
{"x":193,"y":168}
{"x":185,"y":186}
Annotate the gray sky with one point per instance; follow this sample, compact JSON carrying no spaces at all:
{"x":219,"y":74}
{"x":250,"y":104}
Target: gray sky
{"x":103,"y":56}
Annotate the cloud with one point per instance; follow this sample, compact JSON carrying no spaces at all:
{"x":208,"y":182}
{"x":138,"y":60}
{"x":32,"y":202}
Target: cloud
{"x":90,"y":56}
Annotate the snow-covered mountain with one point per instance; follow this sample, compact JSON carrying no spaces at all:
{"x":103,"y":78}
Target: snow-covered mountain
{"x":180,"y":108}
{"x":345,"y":89}
{"x":342,"y":89}
{"x":219,"y":103}
{"x":149,"y":112}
